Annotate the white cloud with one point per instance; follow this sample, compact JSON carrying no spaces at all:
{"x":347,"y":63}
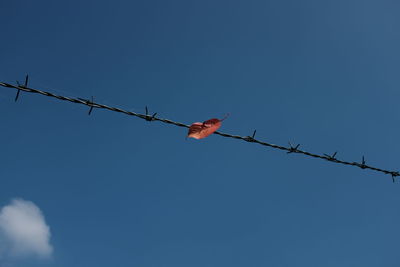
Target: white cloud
{"x":24,"y":231}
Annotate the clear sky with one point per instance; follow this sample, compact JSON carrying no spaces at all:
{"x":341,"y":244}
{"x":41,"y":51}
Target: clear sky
{"x":119,"y":191}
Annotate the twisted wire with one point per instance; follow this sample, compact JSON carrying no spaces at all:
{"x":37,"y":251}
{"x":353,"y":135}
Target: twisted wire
{"x":147,"y":117}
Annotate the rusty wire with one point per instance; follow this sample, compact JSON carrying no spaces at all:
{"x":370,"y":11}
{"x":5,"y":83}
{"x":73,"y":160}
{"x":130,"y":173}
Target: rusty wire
{"x":148,"y":117}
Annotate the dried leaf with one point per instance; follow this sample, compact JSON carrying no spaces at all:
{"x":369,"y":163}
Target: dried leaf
{"x":199,"y":130}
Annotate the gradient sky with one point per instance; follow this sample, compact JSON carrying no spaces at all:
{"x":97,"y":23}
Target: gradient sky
{"x":119,"y":191}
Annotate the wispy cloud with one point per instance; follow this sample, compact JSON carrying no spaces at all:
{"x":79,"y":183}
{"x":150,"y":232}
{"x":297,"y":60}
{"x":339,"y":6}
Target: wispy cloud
{"x":23,"y":230}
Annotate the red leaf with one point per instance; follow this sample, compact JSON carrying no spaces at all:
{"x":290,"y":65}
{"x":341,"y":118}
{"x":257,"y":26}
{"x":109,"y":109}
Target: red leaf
{"x":200,"y":130}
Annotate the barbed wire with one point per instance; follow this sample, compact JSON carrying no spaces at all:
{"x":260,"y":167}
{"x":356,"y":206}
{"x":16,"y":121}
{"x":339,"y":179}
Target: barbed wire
{"x":148,"y":117}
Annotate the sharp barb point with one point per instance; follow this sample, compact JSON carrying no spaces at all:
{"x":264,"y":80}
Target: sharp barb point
{"x":26,"y":80}
{"x":17,"y":95}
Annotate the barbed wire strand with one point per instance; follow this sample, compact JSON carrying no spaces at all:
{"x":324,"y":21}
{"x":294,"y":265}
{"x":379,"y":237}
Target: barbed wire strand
{"x":147,"y":117}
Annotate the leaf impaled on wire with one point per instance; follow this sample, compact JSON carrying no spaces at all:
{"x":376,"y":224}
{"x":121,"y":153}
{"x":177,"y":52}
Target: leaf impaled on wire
{"x":199,"y":130}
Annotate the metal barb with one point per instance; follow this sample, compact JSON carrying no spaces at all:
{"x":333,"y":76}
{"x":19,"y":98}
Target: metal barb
{"x":329,"y":157}
{"x":250,"y":138}
{"x":19,"y":85}
{"x":293,"y":149}
{"x":17,"y":95}
{"x":26,"y":81}
{"x":363,"y":166}
{"x":148,"y":117}
{"x":89,"y":103}
{"x":91,"y":106}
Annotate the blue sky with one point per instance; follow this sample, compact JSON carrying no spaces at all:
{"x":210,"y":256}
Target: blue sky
{"x":117,"y":190}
